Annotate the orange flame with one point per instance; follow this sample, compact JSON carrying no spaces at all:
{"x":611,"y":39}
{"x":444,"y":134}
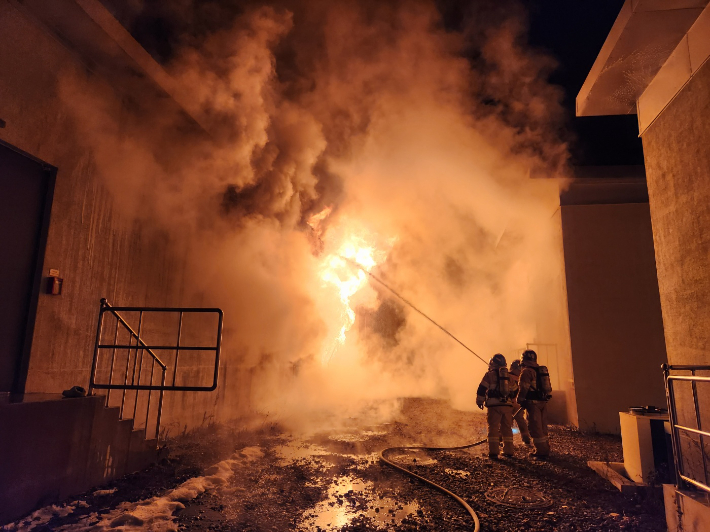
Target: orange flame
{"x":344,"y":269}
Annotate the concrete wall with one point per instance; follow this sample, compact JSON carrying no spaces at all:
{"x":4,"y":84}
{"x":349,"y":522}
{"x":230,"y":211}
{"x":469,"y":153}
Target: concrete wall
{"x":53,"y":448}
{"x":614,"y":311}
{"x":99,"y":252}
{"x":677,"y":154}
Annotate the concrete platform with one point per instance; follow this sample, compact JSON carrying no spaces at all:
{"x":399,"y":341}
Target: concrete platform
{"x":615,"y":473}
{"x":53,"y":447}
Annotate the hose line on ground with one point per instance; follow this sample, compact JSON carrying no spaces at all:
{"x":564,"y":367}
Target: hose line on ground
{"x":471,"y":511}
{"x":463,"y":503}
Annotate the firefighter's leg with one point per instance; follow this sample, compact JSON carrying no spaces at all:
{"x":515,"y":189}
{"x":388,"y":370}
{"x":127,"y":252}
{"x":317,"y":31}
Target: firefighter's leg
{"x":506,"y":429}
{"x":539,"y":435}
{"x":544,"y":447}
{"x":494,"y":430}
{"x":522,"y":424}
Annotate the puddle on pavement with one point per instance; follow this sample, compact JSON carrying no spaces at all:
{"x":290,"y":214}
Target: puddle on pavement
{"x":357,"y":436}
{"x":294,"y":451}
{"x":411,"y":457}
{"x":349,"y":498}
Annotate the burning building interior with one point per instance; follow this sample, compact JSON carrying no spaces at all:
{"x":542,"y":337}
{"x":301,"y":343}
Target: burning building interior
{"x":256,"y":257}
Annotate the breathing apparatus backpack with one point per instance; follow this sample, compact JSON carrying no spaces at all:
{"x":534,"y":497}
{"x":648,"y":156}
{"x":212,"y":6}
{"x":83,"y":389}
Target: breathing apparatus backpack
{"x":503,"y":383}
{"x":544,"y":386}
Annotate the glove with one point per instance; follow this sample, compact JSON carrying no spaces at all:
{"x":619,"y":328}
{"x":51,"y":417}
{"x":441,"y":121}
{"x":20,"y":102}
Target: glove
{"x":479,"y":402}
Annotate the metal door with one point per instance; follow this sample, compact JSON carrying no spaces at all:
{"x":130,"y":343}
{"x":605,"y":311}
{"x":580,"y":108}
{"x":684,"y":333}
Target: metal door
{"x":26,"y":189}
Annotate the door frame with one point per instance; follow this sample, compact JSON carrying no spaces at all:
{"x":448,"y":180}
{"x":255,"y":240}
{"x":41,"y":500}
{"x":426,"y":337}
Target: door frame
{"x":23,"y":363}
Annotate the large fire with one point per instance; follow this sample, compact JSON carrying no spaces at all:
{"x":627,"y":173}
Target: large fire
{"x":344,"y":269}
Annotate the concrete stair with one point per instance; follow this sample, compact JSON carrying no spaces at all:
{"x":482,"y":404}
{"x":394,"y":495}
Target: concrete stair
{"x":52,"y":448}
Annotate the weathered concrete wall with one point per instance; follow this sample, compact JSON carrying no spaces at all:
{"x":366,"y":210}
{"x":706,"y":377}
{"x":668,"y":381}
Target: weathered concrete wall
{"x":99,"y":252}
{"x":614,"y":311}
{"x":677,"y":153}
{"x":54,"y":447}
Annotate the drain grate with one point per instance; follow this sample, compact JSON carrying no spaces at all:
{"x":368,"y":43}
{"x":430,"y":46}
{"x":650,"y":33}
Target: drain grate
{"x":518,"y":497}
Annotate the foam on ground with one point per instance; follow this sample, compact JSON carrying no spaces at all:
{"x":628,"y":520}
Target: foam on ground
{"x":153,"y":515}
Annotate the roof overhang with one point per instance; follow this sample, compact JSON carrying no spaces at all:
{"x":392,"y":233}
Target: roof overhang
{"x":642,"y":38}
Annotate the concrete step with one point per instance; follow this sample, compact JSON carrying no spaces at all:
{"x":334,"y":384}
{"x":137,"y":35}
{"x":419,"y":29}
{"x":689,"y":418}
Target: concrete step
{"x":52,"y":448}
{"x":141,"y":455}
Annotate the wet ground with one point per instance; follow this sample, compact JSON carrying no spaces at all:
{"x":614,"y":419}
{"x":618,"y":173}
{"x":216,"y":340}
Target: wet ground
{"x":268,"y":480}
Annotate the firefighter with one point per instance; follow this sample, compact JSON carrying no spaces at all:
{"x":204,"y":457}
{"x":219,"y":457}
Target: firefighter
{"x":494,"y":393}
{"x":518,"y":412}
{"x":533,"y":394}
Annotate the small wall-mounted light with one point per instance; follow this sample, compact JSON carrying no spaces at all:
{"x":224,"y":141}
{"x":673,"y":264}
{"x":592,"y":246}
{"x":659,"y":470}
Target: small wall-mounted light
{"x":54,"y":283}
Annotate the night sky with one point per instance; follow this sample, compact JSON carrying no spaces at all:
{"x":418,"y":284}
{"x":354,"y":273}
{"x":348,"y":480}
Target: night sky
{"x":574,"y":32}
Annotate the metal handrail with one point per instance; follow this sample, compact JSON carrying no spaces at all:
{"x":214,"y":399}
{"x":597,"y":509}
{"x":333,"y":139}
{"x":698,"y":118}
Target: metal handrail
{"x":114,"y":311}
{"x":143,"y":347}
{"x":683,"y":477}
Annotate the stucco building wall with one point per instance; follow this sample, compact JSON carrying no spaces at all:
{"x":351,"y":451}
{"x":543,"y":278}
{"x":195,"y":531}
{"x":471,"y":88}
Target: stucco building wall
{"x":614,"y":311}
{"x":678,"y":168}
{"x":678,"y":165}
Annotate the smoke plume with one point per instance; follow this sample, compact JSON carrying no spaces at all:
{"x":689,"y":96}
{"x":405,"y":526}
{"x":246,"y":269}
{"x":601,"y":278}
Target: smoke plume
{"x":425,"y":142}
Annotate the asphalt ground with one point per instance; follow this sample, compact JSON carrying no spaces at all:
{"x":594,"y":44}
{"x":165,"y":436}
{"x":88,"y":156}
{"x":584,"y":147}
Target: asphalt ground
{"x":333,"y":480}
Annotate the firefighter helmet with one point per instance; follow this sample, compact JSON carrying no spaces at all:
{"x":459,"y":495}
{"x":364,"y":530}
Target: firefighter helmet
{"x":528,"y":354}
{"x":498,"y":361}
{"x":515,"y":367}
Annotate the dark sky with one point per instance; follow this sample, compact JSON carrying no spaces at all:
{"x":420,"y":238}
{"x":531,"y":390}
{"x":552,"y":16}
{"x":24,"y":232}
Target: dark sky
{"x":573,"y":31}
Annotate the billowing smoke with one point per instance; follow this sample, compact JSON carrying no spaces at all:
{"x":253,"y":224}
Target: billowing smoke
{"x":426,"y":144}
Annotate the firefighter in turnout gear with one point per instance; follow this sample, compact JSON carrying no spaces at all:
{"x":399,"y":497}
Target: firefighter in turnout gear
{"x":533,"y":394}
{"x":494,"y":393}
{"x":519,"y":418}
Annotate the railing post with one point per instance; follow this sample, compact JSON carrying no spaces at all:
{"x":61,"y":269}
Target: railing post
{"x":125,"y":376}
{"x":150,"y":394}
{"x":160,"y":406}
{"x":140,"y":364}
{"x":177,"y":348}
{"x":113,"y":361}
{"x":700,"y":427}
{"x":99,"y":328}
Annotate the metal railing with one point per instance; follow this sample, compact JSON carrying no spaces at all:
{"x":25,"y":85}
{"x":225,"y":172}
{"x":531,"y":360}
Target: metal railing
{"x":687,"y":476}
{"x":137,"y":349}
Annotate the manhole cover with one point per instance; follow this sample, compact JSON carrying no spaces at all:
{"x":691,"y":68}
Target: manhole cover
{"x":518,"y":497}
{"x":411,"y":457}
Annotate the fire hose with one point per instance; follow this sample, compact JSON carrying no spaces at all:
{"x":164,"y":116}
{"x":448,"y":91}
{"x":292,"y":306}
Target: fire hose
{"x":472,"y":513}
